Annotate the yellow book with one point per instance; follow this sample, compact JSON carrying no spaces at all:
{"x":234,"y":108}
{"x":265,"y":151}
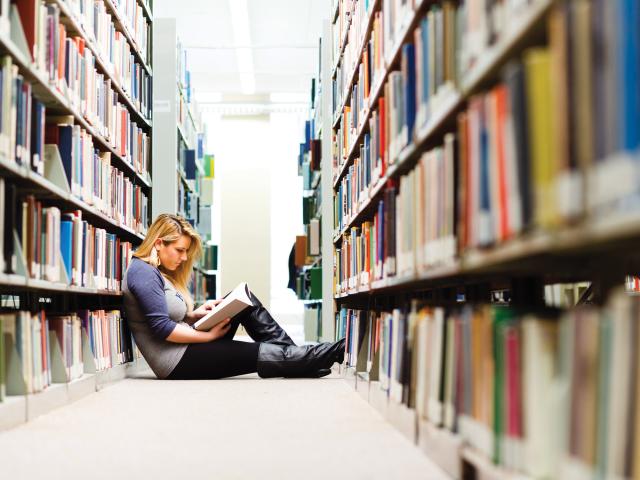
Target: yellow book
{"x":541,"y":127}
{"x":559,"y":50}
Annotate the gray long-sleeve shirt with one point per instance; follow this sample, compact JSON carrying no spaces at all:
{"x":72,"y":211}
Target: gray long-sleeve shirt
{"x":153,"y":307}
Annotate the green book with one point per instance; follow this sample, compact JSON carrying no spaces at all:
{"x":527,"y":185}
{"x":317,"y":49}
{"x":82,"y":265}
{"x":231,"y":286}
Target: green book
{"x":502,"y":318}
{"x":604,"y":388}
{"x":307,"y":207}
{"x":208,"y":166}
{"x":315,"y":292}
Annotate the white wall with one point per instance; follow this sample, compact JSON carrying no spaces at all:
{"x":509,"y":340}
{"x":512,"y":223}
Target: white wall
{"x":286,"y":200}
{"x":243,"y":183}
{"x":258,"y":207}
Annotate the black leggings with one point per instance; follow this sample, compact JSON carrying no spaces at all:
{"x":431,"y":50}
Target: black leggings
{"x":221,"y":358}
{"x":218,"y":359}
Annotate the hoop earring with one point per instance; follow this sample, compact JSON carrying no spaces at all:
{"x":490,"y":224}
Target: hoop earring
{"x":154,"y":258}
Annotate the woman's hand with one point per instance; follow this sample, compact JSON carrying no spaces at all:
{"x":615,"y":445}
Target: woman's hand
{"x":183,"y":334}
{"x":201,"y":311}
{"x":220,"y":330}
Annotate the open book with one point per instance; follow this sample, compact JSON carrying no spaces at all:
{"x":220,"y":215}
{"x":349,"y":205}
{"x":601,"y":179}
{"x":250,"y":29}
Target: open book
{"x":233,"y":303}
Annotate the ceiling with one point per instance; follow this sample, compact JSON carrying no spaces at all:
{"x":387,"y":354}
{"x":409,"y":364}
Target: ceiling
{"x":282,"y":48}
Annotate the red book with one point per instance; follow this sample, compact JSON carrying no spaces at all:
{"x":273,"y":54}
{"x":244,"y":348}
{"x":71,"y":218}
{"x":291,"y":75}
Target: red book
{"x":501,"y":98}
{"x":365,"y":65}
{"x":80,"y":44}
{"x":464,"y":200}
{"x":62,"y":49}
{"x":383,"y":136}
{"x":28,"y":12}
{"x":43,"y":344}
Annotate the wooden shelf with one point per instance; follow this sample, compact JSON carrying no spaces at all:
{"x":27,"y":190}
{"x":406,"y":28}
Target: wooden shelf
{"x":59,"y":196}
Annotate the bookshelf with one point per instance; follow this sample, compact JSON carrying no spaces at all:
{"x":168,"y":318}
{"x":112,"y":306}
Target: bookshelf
{"x":308,"y":247}
{"x":75,"y":182}
{"x":314,"y":269}
{"x":185,"y":168}
{"x":480,"y":251}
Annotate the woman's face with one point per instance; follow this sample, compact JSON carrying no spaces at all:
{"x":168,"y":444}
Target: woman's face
{"x":173,"y":254}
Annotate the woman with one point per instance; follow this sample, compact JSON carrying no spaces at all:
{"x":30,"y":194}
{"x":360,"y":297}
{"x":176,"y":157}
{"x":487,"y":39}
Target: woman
{"x":160,"y":314}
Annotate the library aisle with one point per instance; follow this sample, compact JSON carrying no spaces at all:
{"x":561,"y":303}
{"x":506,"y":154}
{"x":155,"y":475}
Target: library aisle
{"x":443,"y":194}
{"x":243,"y":427}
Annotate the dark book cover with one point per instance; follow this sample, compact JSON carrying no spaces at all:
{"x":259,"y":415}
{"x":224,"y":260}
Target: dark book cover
{"x":515,"y":78}
{"x":65,"y":146}
{"x":11,"y":221}
{"x":190,"y":168}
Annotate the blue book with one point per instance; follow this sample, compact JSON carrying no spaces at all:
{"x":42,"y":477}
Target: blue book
{"x":307,"y":135}
{"x":409,"y":71}
{"x":200,"y":145}
{"x":84,"y":276}
{"x":66,"y":245}
{"x":629,"y":64}
{"x":425,"y":61}
{"x":65,"y":145}
{"x":37,"y":136}
{"x":190,"y":164}
{"x":67,"y":60}
{"x":367,"y":159}
{"x":485,"y":185}
{"x":19,"y":99}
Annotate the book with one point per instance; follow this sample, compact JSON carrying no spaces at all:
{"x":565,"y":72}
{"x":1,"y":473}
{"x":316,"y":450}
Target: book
{"x":301,"y":251}
{"x":2,"y":221}
{"x":232,"y":304}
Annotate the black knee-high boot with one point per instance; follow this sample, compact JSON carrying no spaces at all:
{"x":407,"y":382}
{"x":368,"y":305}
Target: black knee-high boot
{"x":260,"y":325}
{"x":302,"y":361}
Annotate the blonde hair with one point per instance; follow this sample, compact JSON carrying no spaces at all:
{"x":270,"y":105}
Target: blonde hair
{"x":169,"y":228}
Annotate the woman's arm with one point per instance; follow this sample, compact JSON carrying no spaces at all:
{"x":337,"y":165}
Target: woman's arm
{"x":201,"y":311}
{"x":184,"y":334}
{"x":147,"y":286}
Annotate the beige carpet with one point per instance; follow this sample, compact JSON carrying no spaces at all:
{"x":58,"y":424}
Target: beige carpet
{"x":240,"y":428}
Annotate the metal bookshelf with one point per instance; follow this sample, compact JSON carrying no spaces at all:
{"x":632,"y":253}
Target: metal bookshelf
{"x":589,"y":247}
{"x":17,"y":409}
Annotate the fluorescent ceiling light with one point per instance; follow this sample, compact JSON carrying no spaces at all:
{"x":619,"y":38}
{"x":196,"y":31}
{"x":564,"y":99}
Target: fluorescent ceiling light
{"x":242,"y":36}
